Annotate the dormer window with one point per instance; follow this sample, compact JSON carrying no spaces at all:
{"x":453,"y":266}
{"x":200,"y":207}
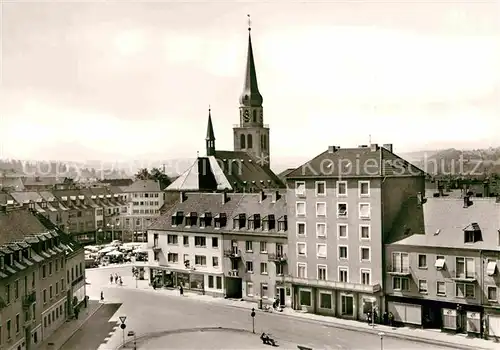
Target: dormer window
{"x":268,"y":223}
{"x":205,"y":219}
{"x":472,"y":233}
{"x":239,"y":221}
{"x":191,"y":219}
{"x":2,"y":263}
{"x":282,"y":223}
{"x":220,"y":220}
{"x":177,"y":218}
{"x":254,"y":222}
{"x":8,"y":260}
{"x":44,"y":204}
{"x":31,"y":205}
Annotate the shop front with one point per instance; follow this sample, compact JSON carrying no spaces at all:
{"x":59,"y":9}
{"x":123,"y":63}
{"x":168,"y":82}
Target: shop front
{"x":163,"y":277}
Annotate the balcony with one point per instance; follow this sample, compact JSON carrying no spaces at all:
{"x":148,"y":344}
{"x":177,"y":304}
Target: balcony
{"x":398,"y":270}
{"x":355,"y":287}
{"x":29,"y":299}
{"x":28,"y":323}
{"x":232,"y":253}
{"x":277,"y":257}
{"x":156,"y":247}
{"x":233,"y":273}
{"x":466,"y":277}
{"x":77,"y":280}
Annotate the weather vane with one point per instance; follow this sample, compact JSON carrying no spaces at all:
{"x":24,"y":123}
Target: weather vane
{"x":209,"y":108}
{"x":249,"y":23}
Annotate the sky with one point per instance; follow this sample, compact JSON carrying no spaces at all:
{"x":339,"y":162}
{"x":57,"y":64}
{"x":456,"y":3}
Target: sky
{"x":124,"y":80}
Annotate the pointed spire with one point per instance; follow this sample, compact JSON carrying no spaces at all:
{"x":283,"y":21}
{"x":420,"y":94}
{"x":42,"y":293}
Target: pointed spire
{"x":210,"y":139}
{"x":250,"y":96}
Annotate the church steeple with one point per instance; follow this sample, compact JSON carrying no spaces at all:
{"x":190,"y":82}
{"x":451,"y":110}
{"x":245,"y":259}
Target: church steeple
{"x":210,"y":139}
{"x":250,"y":97}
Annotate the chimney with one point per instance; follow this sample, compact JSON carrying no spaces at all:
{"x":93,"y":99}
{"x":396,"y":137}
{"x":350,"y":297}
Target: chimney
{"x":182,"y":196}
{"x":332,"y":149}
{"x":374,"y":147}
{"x":224,"y":197}
{"x":388,"y":146}
{"x":262,"y":196}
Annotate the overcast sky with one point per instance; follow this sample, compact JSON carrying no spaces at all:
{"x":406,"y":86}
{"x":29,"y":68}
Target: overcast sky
{"x":123,"y":80}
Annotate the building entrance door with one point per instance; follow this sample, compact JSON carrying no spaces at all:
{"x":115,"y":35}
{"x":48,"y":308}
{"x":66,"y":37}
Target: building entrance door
{"x":281,"y":295}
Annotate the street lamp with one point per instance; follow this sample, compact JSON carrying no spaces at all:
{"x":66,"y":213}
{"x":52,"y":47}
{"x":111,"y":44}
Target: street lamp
{"x":381,"y":335}
{"x":253,"y":320}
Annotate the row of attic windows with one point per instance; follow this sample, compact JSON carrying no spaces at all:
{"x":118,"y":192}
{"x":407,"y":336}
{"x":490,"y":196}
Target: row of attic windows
{"x":19,"y":252}
{"x":240,"y":221}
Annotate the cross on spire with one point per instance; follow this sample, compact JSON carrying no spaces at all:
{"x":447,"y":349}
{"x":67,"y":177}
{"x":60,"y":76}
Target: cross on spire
{"x":249,"y":23}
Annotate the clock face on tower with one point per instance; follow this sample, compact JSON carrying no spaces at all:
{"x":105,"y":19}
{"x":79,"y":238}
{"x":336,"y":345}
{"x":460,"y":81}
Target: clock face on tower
{"x":261,"y":116}
{"x":246,"y":116}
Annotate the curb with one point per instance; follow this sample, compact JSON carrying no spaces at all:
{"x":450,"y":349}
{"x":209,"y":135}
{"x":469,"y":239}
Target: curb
{"x":84,"y":321}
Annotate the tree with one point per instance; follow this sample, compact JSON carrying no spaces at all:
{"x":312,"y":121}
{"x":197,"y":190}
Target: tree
{"x":154,"y":174}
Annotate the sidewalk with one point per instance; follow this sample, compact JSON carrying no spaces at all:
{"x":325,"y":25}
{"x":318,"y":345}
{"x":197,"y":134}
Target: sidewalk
{"x":66,"y":331}
{"x":433,"y":337}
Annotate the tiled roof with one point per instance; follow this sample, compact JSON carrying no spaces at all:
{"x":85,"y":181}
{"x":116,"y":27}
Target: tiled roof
{"x":373,"y":161}
{"x":444,"y":220}
{"x":285,"y":173}
{"x":43,"y":181}
{"x":49,"y":197}
{"x":204,"y":174}
{"x":17,"y":223}
{"x":237,"y":203}
{"x":26,"y":197}
{"x":118,"y":182}
{"x":144,"y":186}
{"x":14,"y":183}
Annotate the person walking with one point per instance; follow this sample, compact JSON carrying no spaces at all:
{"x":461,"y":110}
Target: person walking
{"x":111,"y":278}
{"x":181,"y":291}
{"x":102,"y":296}
{"x":116,"y":278}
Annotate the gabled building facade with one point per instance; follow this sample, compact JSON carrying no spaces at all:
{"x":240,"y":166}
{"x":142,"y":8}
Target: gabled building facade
{"x":341,"y":205}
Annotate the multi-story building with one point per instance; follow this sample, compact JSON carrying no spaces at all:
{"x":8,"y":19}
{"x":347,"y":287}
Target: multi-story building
{"x":32,"y":278}
{"x":230,"y":244}
{"x":341,"y":204}
{"x":145,"y":200}
{"x":110,"y":228}
{"x":441,"y":265}
{"x":255,"y":248}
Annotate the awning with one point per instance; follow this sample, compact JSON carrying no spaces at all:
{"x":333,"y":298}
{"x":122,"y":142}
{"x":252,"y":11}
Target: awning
{"x":491,"y":269}
{"x":439,"y":263}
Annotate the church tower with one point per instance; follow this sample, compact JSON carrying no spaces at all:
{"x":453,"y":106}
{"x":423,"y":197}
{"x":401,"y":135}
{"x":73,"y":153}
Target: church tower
{"x":252,"y":135}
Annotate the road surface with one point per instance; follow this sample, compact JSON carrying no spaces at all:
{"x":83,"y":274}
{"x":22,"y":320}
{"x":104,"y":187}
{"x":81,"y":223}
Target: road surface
{"x":154,"y":311}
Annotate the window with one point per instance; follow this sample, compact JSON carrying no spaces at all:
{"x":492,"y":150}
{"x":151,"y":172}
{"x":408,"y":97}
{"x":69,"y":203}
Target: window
{"x":364,"y":210}
{"x":172,"y":239}
{"x":464,"y":268}
{"x":301,"y":249}
{"x":9,"y":329}
{"x":305,"y":297}
{"x":400,"y":262}
{"x":50,"y":293}
{"x":342,"y":210}
{"x":249,"y":246}
{"x":422,"y":261}
{"x":322,"y":272}
{"x":249,"y":265}
{"x":263,"y":268}
{"x":343,"y":274}
{"x":302,"y":270}
{"x":492,"y":293}
{"x":343,"y":252}
{"x":279,"y":269}
{"x":301,"y":228}
{"x":200,"y":260}
{"x":215,"y":242}
{"x":215,"y":261}
{"x":45,"y":296}
{"x":422,"y":286}
{"x":321,"y":209}
{"x":365,"y":253}
{"x":364,"y":188}
{"x":440,"y":262}
{"x":173,"y":258}
{"x":300,"y":208}
{"x":400,"y":283}
{"x":210,"y":281}
{"x":364,"y":231}
{"x":17,"y":323}
{"x":50,"y":269}
{"x":300,"y":188}
{"x":342,"y":231}
{"x":341,"y":188}
{"x":441,"y":288}
{"x":321,"y":250}
{"x":365,"y":276}
{"x":16,"y":290}
{"x":263,"y":247}
{"x":320,"y":229}
{"x":464,"y":290}
{"x":347,"y":305}
{"x":249,"y":289}
{"x":44,"y":271}
{"x":325,"y":300}
{"x":200,"y":242}
{"x":320,"y":188}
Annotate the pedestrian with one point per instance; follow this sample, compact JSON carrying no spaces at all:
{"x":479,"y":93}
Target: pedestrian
{"x":76,"y":313}
{"x":116,"y":278}
{"x":391,"y":319}
{"x":181,"y":290}
{"x":111,"y":278}
{"x":102,"y":296}
{"x":120,"y":279}
{"x":386,"y":318}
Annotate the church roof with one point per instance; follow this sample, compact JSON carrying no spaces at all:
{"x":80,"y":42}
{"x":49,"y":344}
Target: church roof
{"x":228,"y":170}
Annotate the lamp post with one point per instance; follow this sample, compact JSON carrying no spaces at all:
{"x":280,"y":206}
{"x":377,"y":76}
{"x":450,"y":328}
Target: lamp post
{"x":381,"y":335}
{"x":253,"y":320}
